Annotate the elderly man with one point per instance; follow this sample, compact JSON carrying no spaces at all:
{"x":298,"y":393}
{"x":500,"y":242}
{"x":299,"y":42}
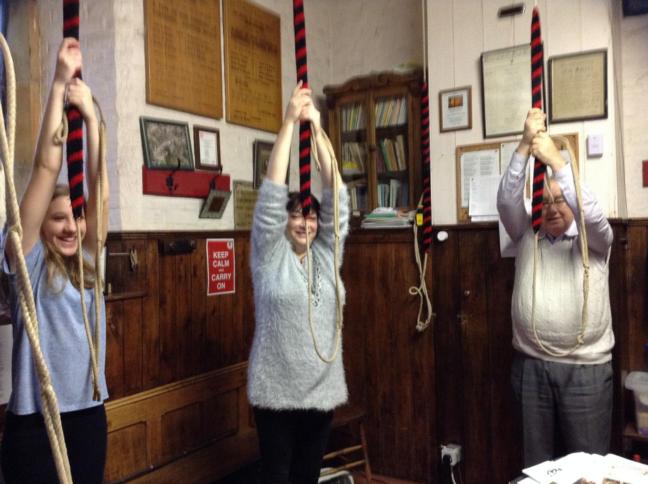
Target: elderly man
{"x":562,"y":370}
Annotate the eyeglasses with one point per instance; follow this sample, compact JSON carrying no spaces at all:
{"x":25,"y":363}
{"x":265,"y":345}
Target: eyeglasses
{"x":557,"y":202}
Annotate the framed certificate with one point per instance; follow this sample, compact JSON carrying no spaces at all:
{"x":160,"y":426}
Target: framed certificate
{"x":578,"y":86}
{"x":506,"y":90}
{"x":455,"y":109}
{"x":207,"y":148}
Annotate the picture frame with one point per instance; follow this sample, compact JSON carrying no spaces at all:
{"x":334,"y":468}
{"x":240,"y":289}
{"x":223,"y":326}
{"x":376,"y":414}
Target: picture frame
{"x":215,"y":204}
{"x":166,"y":144}
{"x":506,"y":90}
{"x":578,"y":86}
{"x":207,"y":149}
{"x":262,"y":150}
{"x":455,"y":109}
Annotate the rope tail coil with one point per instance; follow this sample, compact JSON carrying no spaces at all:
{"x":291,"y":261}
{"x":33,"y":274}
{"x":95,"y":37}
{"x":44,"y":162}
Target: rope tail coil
{"x":582,"y":236}
{"x":339,"y":316}
{"x":49,"y":404}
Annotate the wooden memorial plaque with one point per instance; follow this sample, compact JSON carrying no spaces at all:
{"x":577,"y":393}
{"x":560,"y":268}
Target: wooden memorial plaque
{"x":183,"y":60}
{"x":252,"y":65}
{"x":245,"y":197}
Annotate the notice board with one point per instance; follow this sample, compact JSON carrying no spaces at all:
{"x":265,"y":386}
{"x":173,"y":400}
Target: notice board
{"x":183,"y":59}
{"x":252,"y":65}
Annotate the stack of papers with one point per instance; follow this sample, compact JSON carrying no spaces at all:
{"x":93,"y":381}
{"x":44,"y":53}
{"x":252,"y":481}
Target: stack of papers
{"x":387,"y":218}
{"x":581,"y":467}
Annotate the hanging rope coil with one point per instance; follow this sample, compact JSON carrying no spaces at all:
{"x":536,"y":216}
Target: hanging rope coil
{"x":336,"y":257}
{"x":425,"y":202}
{"x":49,"y":404}
{"x":582,"y":237}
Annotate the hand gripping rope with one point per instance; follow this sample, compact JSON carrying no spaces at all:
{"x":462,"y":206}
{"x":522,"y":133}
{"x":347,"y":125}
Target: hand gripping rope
{"x":306,"y":140}
{"x":49,"y":404}
{"x":539,"y":182}
{"x":71,"y":133}
{"x":426,"y":198}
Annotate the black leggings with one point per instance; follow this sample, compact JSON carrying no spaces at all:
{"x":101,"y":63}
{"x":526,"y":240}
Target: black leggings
{"x":27,"y":457}
{"x":292,"y":444}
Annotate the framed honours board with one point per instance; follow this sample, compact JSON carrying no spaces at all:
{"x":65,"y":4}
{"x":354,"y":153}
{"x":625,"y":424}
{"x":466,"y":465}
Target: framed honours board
{"x":183,"y":60}
{"x":252,"y":66}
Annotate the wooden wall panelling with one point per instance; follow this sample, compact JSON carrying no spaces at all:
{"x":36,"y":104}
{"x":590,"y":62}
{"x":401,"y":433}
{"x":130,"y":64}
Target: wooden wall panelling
{"x":115,"y":349}
{"x":183,"y":320}
{"x":476,"y":356}
{"x":198,"y":308}
{"x":152,"y":429}
{"x":620,"y":358}
{"x":504,"y":424}
{"x":399,"y":362}
{"x":150,"y":318}
{"x":167,"y":317}
{"x":133,"y":323}
{"x":637,"y":290}
{"x":447,"y":334}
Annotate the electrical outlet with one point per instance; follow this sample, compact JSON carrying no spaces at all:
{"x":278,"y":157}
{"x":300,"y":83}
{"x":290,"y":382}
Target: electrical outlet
{"x":453,"y":452}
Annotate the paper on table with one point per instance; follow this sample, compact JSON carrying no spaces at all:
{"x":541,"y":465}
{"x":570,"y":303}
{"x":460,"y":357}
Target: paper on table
{"x":6,"y":342}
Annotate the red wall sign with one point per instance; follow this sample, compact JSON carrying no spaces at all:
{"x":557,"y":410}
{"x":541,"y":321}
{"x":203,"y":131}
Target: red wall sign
{"x":221,"y":270}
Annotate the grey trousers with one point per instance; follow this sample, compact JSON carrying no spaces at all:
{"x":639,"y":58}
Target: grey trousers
{"x":565,"y":408}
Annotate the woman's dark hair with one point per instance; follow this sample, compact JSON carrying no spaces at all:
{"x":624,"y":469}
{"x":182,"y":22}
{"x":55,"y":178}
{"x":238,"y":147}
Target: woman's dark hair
{"x":294,"y":203}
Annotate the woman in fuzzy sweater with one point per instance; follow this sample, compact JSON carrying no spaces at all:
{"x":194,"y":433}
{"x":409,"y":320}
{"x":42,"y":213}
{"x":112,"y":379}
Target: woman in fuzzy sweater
{"x":292,"y":391}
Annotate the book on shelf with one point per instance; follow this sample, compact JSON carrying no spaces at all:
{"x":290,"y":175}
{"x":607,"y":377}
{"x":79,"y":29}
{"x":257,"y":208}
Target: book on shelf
{"x":353,"y":158}
{"x":357,"y":195}
{"x":394,"y":193}
{"x":392,"y":153}
{"x":353,"y":117}
{"x":391,"y":112}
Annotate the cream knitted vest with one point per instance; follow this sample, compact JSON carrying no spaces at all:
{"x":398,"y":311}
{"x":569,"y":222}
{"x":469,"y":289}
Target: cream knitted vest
{"x":559,"y":300}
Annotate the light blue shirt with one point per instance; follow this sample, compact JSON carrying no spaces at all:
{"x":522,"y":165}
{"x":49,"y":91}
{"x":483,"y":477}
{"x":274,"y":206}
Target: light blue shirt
{"x":63,"y":341}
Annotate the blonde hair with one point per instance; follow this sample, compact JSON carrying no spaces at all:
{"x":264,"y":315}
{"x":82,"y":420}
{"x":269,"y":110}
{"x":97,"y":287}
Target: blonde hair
{"x":61,"y":268}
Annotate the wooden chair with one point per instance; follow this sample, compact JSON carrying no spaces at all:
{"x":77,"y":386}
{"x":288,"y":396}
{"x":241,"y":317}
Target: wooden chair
{"x":350,"y":421}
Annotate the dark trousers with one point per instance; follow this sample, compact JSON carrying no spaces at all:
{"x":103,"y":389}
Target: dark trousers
{"x":565,"y":407}
{"x":292,"y":444}
{"x":27,"y":457}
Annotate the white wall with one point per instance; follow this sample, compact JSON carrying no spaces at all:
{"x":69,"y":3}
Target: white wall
{"x":634,"y":61}
{"x":373,"y":35}
{"x":460,"y":30}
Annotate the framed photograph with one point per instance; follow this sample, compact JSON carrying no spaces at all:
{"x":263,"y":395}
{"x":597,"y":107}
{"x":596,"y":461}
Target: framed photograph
{"x":578,"y":86}
{"x":166,"y":144}
{"x":506,"y":90}
{"x":207,"y":148}
{"x":215,"y":204}
{"x":455,"y":109}
{"x":262,"y":150}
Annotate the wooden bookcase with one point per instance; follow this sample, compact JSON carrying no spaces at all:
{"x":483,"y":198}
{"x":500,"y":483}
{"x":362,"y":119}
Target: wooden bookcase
{"x":375,"y":128}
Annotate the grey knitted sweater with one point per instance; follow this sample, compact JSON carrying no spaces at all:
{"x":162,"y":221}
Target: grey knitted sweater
{"x":284,"y":371}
